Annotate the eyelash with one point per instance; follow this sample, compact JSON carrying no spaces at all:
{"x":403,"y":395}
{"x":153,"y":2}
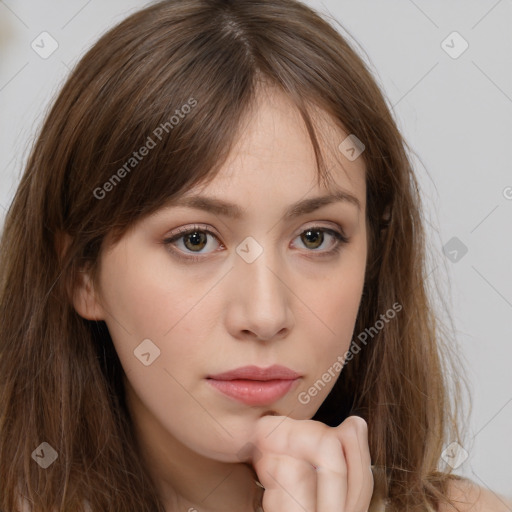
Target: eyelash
{"x":181,"y":233}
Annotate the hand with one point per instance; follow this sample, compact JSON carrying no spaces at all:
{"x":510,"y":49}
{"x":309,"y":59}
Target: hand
{"x":306,"y":466}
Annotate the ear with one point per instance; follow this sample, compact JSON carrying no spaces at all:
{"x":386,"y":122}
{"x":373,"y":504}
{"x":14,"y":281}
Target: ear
{"x":85,"y":301}
{"x":386,"y":218}
{"x":84,"y":297}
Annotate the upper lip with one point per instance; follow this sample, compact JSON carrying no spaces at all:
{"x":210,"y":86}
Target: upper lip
{"x":275,"y":372}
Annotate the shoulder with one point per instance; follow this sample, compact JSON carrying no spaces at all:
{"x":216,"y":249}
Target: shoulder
{"x":470,"y":497}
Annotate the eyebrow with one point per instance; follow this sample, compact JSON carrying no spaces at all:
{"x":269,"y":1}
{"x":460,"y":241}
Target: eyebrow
{"x":302,"y":207}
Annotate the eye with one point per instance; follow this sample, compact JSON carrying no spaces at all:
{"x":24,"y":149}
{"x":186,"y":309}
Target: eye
{"x":193,"y":239}
{"x":314,"y":237}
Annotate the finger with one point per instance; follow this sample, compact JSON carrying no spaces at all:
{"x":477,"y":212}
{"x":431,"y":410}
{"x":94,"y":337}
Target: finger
{"x":318,"y":444}
{"x":332,"y":483}
{"x":353,"y":434}
{"x":290,"y":483}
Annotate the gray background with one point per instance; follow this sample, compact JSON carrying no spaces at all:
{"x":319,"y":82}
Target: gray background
{"x":456,"y":114}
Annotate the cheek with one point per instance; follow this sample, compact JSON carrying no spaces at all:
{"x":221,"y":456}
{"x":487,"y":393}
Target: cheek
{"x":335,"y":298}
{"x":338,"y":303}
{"x":155,"y":323}
{"x":329,"y":334}
{"x":156,"y":317}
{"x":148,"y":298}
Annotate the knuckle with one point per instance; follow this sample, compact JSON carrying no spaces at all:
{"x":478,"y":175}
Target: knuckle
{"x":274,"y":435}
{"x":280,"y":471}
{"x":330,"y":444}
{"x":357,"y":424}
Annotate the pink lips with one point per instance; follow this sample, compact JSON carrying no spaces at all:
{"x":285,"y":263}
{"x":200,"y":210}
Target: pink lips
{"x":255,"y":386}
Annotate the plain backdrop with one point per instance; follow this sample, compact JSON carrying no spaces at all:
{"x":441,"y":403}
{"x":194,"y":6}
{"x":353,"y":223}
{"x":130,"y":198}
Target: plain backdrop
{"x":446,"y":70}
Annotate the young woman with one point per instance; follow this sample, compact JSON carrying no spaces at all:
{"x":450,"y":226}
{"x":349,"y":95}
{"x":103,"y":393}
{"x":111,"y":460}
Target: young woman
{"x":213,"y":285}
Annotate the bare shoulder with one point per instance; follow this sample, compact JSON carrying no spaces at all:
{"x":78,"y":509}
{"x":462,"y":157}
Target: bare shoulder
{"x":470,"y":497}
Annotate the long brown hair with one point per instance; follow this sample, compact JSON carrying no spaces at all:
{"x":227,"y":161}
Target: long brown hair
{"x":60,"y":377}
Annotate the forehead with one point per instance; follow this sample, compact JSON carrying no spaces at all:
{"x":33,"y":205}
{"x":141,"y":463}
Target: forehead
{"x":274,"y":154}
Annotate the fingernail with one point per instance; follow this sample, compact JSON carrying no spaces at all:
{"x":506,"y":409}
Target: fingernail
{"x":257,"y":483}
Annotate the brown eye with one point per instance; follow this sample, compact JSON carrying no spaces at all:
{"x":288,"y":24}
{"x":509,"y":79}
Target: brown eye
{"x":312,"y":238}
{"x":187,"y":243}
{"x":195,"y":241}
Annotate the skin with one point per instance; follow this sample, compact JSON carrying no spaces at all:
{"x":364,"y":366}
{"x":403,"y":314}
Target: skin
{"x":289,"y":306}
{"x":469,"y":496}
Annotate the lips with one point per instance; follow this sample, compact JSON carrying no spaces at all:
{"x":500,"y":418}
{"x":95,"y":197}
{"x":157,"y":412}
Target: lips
{"x":255,"y":386}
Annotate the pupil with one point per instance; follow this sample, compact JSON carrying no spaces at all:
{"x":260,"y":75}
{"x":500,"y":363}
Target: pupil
{"x":315,"y":235}
{"x":196,"y":237}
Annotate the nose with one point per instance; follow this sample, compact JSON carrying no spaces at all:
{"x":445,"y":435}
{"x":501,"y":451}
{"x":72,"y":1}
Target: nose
{"x":259,"y":299}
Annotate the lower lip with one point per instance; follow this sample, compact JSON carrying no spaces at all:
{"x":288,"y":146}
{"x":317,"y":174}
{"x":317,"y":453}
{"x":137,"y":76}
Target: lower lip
{"x":254,"y":392}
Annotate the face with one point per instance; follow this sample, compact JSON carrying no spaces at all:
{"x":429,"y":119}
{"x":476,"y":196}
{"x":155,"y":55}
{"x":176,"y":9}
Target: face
{"x":259,"y":289}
